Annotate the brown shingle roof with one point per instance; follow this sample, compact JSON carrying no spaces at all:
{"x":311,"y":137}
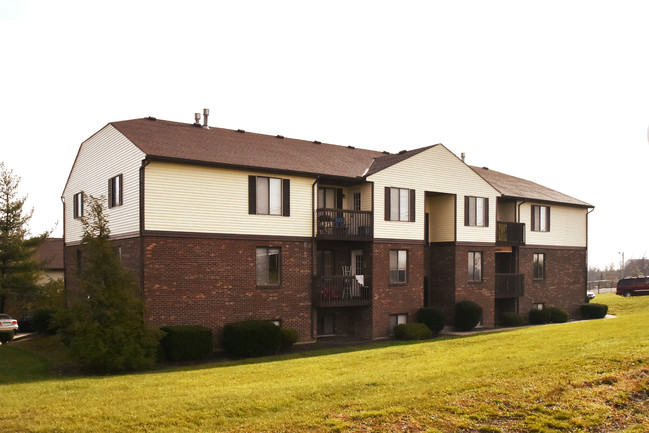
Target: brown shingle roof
{"x":51,"y":252}
{"x":515,"y":187}
{"x":185,"y":142}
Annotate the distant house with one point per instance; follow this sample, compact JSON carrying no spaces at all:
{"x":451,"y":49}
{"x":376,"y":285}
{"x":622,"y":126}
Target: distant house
{"x":50,"y":253}
{"x":225,"y":225}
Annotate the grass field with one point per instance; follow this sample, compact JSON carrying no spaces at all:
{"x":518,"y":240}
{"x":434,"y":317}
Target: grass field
{"x":580,"y":376}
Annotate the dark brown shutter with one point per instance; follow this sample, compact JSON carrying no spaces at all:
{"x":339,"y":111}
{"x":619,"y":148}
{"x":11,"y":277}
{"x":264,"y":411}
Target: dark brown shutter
{"x":387,"y":203}
{"x":252,"y":195}
{"x":339,"y":198}
{"x":533,"y":218}
{"x":111,"y":184}
{"x":547,"y":217}
{"x":466,"y":210}
{"x":412,"y":205}
{"x":486,"y":212}
{"x":286,"y":197}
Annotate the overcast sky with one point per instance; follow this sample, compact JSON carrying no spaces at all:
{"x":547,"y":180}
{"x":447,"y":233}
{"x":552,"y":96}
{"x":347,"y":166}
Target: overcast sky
{"x":556,"y":92}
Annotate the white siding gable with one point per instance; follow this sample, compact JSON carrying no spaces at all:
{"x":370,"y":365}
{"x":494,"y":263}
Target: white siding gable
{"x":435,"y":170}
{"x":105,"y":155}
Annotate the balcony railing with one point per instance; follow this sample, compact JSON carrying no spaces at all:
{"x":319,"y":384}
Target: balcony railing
{"x":510,"y":233}
{"x":509,"y":286}
{"x":344,"y":225}
{"x":341,"y":291}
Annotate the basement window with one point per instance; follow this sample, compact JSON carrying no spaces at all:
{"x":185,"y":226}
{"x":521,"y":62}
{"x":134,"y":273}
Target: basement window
{"x":397,"y":319}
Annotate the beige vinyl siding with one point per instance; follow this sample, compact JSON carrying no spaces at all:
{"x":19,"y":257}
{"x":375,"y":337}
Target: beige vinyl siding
{"x":105,"y":155}
{"x":434,"y":170}
{"x":441,"y":210}
{"x":190,"y":198}
{"x":567,"y":226}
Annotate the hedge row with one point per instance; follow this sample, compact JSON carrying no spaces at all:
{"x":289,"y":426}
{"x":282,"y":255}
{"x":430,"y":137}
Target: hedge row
{"x":186,"y":343}
{"x":548,"y":315}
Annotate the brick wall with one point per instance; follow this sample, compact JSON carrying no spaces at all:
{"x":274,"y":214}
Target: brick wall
{"x":395,"y":298}
{"x":482,"y":292}
{"x":442,"y":277}
{"x":130,"y":256}
{"x":212,"y":282}
{"x":565,"y":279}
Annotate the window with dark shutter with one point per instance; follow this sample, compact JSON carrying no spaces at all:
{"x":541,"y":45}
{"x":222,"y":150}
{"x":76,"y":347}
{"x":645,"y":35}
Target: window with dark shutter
{"x":476,"y":211}
{"x":269,"y":196}
{"x":77,"y":205}
{"x":399,"y":204}
{"x":540,"y":218}
{"x":115,"y":194}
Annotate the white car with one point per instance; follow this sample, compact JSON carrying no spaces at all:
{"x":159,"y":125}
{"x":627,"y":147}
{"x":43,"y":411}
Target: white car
{"x":590,"y":294}
{"x":7,"y":323}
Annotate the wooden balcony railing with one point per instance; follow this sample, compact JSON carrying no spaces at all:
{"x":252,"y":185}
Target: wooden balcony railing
{"x":510,"y":233}
{"x":509,"y":286}
{"x":344,"y":225}
{"x":341,"y":291}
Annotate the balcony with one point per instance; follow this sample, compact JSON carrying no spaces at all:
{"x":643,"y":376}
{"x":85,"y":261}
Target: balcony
{"x":341,"y":291}
{"x":344,"y":225}
{"x":509,"y":286}
{"x":510,"y":233}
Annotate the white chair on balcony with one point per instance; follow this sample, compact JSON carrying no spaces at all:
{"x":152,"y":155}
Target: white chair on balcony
{"x":347,"y":282}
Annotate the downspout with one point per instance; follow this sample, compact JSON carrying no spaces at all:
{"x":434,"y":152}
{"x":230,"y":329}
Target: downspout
{"x":586,"y":270}
{"x":145,"y":163}
{"x":313,"y":247}
{"x":65,"y":268}
{"x":517,"y":217}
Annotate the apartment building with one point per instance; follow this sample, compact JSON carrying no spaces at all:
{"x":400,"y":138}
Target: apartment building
{"x":226,"y":225}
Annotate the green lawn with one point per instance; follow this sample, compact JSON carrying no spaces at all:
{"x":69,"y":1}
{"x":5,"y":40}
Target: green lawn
{"x":581,"y":376}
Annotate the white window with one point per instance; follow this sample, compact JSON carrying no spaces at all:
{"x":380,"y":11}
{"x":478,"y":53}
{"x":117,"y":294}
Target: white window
{"x":475,"y":266}
{"x":398,"y":266}
{"x":540,"y":218}
{"x":115,"y":195}
{"x":476,"y":211}
{"x":269,"y":196}
{"x":399,"y":204}
{"x":77,"y":205}
{"x":397,"y":319}
{"x":268,"y":266}
{"x":327,"y":198}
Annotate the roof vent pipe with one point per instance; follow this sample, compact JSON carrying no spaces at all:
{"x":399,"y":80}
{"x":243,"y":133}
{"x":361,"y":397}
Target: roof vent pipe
{"x":197,"y":119}
{"x":463,"y":156}
{"x":206,"y":112}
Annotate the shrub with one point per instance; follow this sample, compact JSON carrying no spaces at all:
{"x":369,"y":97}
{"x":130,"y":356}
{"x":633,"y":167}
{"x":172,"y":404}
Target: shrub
{"x":511,"y":318}
{"x":467,"y":315}
{"x":6,"y":336}
{"x":594,"y":311}
{"x":251,"y":338}
{"x":288,"y":337}
{"x":539,"y":317}
{"x":186,"y":343}
{"x":433,"y":317}
{"x":412,"y":331}
{"x":558,"y":315}
{"x":42,"y":322}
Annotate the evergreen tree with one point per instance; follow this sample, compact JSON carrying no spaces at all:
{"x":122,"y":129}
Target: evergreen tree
{"x":19,"y":266}
{"x":104,"y":326}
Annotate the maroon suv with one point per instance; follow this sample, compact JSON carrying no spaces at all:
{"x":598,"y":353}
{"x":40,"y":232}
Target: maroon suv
{"x":633,"y":286}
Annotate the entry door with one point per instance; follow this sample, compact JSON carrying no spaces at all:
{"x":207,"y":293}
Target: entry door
{"x":357,"y":262}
